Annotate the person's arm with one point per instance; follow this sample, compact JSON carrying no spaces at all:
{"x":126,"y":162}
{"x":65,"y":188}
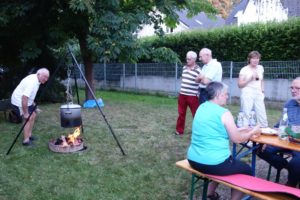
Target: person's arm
{"x":201,"y":78}
{"x":262,"y":86}
{"x":238,"y":135}
{"x":243,"y":81}
{"x":25,"y":107}
{"x":205,"y":80}
{"x":198,"y":78}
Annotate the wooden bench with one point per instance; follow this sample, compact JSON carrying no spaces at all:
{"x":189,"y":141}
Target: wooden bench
{"x":5,"y":106}
{"x":196,"y":176}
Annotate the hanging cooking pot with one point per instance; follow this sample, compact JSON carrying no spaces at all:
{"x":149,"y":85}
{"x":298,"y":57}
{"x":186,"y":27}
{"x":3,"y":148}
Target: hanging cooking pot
{"x":70,"y":115}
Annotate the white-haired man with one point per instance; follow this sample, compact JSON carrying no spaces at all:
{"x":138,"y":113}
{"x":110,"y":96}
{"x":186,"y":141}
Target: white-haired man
{"x":188,"y":96}
{"x":22,"y":100}
{"x":211,"y":71}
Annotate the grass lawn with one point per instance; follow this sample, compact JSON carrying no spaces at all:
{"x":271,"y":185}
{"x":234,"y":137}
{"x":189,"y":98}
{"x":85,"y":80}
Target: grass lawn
{"x":144,"y":126}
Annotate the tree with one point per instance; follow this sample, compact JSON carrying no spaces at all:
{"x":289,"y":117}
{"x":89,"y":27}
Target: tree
{"x":105,"y":30}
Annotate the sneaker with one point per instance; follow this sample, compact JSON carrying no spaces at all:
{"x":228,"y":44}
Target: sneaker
{"x":28,"y":144}
{"x":177,"y":133}
{"x":249,"y":144}
{"x":32,"y":138}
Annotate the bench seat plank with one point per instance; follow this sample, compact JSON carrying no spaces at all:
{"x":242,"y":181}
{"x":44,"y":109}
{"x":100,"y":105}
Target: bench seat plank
{"x":270,"y":195}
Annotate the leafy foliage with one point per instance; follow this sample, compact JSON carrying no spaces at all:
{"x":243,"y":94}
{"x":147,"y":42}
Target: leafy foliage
{"x":104,"y":30}
{"x":275,"y":41}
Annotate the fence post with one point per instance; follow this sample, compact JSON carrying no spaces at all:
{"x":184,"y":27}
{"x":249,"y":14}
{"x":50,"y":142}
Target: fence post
{"x":123,"y":76}
{"x":135,"y":76}
{"x":104,"y":74}
{"x":176,"y":76}
{"x":230,"y":81}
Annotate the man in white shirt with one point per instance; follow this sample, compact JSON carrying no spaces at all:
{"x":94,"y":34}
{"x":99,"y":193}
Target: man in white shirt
{"x":211,"y":71}
{"x":23,"y":97}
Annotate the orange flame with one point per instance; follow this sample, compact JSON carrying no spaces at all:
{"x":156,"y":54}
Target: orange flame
{"x":72,"y":137}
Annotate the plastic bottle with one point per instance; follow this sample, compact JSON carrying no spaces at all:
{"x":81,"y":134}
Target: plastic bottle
{"x":239,"y":120}
{"x":283,"y":123}
{"x":252,"y":118}
{"x":245,"y":120}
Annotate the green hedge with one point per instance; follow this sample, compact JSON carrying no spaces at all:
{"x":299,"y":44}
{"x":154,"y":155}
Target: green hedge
{"x":274,"y":40}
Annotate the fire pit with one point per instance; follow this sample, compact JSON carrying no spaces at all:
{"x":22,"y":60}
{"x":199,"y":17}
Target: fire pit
{"x":67,"y":144}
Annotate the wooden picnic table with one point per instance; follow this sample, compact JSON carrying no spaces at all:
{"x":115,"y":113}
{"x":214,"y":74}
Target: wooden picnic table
{"x":257,"y":141}
{"x":275,"y":141}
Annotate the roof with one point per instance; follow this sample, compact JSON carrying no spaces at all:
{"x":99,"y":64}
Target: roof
{"x":293,"y":7}
{"x":239,"y":7}
{"x":200,"y":21}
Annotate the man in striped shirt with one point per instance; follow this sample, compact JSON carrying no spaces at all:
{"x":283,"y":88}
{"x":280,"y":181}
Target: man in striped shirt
{"x":188,"y":96}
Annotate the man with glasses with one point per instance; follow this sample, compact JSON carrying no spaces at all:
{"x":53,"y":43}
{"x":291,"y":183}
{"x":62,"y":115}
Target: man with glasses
{"x":270,"y":153}
{"x":188,"y":96}
{"x":211,"y":71}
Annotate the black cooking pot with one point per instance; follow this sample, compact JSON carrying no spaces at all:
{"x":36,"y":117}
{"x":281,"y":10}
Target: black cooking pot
{"x":70,"y":115}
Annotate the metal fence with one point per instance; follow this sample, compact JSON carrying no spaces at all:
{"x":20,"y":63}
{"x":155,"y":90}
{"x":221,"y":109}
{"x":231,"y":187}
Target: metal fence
{"x":166,"y":78}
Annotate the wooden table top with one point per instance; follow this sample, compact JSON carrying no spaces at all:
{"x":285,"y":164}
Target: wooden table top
{"x":275,"y":141}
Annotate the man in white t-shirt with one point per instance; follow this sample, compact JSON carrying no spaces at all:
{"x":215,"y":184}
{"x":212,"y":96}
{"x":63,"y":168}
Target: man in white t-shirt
{"x":211,"y":71}
{"x":23,"y":97}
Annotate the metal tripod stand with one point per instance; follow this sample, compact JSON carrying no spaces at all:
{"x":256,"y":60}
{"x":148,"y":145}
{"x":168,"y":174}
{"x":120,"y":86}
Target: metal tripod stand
{"x":90,"y":90}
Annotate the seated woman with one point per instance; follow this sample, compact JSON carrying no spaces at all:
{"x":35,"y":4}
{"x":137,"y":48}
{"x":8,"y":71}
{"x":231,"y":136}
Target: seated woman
{"x":213,"y":127}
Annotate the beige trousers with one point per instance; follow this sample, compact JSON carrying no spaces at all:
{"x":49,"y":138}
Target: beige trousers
{"x":255,"y":100}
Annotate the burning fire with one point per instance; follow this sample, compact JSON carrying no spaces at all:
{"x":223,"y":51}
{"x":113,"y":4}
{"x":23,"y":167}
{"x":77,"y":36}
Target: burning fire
{"x":70,"y":140}
{"x":72,"y":137}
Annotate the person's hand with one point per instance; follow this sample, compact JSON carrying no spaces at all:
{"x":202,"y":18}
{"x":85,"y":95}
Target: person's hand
{"x":255,"y":76}
{"x":200,"y":76}
{"x":25,"y":115}
{"x":256,"y":131}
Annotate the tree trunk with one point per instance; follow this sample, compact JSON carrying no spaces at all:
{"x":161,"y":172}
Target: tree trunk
{"x":88,"y":66}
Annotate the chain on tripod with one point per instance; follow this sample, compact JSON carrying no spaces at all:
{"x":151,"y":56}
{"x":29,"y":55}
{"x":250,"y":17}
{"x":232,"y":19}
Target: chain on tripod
{"x":69,"y":93}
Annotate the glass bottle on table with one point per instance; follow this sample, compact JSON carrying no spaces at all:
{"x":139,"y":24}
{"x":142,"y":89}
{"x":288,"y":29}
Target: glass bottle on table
{"x":283,"y":124}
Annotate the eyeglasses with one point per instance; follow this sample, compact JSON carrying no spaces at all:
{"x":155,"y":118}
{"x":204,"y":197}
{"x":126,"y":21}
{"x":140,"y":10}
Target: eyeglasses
{"x":294,"y":88}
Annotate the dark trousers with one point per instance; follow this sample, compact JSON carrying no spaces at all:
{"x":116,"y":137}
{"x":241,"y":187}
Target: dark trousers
{"x":228,"y":167}
{"x":272,"y":156}
{"x":203,"y":95}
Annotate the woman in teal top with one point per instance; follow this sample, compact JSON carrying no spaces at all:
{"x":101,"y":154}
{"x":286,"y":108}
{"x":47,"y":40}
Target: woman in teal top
{"x":213,"y":128}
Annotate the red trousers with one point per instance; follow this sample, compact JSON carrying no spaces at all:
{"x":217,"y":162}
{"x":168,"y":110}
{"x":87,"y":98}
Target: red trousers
{"x":185,"y":101}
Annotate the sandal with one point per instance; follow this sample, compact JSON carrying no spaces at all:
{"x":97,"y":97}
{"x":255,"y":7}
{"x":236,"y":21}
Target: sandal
{"x":214,"y":196}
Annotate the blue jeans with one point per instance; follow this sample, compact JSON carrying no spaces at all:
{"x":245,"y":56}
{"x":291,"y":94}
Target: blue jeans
{"x":272,"y":155}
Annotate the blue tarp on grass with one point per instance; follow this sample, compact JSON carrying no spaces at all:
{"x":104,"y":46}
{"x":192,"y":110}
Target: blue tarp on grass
{"x":92,"y":103}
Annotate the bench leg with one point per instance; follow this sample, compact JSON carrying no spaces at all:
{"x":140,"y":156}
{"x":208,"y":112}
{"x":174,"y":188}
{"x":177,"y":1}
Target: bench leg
{"x":193,"y":183}
{"x":269,"y":172}
{"x":205,"y":188}
{"x":195,"y":179}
